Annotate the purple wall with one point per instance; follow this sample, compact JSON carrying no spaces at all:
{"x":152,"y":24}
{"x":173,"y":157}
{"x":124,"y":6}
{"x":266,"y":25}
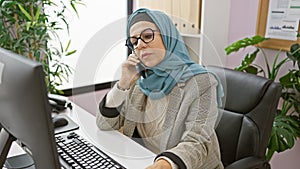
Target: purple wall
{"x":243,"y":24}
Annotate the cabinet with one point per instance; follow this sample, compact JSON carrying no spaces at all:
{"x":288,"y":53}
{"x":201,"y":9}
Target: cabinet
{"x":185,"y":14}
{"x":204,"y":25}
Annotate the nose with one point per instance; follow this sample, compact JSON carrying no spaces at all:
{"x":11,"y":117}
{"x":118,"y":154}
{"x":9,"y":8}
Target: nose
{"x":141,"y":44}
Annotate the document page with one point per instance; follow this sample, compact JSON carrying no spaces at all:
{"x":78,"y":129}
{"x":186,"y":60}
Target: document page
{"x":283,"y":19}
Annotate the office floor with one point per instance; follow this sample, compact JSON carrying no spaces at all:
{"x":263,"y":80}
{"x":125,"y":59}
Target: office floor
{"x":89,"y":101}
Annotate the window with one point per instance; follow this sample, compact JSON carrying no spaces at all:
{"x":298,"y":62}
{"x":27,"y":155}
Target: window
{"x":98,"y":35}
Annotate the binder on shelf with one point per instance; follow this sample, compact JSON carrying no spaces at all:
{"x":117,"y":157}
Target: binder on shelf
{"x":165,"y":5}
{"x":175,"y":15}
{"x":185,"y":14}
{"x":190,"y":11}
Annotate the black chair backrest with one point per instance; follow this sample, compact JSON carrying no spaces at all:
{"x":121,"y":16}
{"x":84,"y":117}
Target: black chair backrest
{"x":249,"y":108}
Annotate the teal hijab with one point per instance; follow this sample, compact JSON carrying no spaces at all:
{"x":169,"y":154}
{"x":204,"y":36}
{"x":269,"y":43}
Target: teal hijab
{"x":176,"y":67}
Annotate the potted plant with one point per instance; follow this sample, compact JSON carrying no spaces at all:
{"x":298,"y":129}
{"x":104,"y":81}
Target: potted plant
{"x":286,"y":126}
{"x":28,"y":27}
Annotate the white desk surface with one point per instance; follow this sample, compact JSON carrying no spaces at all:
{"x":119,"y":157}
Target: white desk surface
{"x":121,"y":148}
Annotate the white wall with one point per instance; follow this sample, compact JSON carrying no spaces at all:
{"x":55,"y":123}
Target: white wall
{"x":214,"y":31}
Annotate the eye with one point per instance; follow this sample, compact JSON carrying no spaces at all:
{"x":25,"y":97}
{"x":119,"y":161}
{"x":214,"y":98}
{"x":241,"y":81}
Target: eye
{"x":147,"y":36}
{"x":133,"y":41}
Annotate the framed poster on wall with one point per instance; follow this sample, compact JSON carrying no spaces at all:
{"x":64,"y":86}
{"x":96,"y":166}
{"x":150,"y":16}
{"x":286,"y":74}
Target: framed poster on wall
{"x":279,"y":21}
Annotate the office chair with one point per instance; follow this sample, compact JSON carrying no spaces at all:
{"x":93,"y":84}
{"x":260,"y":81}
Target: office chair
{"x":245,"y":121}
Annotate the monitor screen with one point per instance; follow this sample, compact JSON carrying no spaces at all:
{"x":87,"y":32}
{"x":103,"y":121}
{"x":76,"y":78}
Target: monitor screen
{"x":25,"y":111}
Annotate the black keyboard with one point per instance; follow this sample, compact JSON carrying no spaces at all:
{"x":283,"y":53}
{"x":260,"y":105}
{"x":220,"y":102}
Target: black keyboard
{"x":77,"y":153}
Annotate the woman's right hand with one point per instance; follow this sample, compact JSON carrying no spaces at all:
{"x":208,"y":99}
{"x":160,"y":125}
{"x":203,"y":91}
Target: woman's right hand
{"x":129,"y":73}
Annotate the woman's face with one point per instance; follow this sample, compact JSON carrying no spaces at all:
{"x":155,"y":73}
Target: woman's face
{"x":150,"y":53}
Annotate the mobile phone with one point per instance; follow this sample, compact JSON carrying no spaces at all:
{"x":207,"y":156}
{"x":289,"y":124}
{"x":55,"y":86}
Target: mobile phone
{"x":140,"y":68}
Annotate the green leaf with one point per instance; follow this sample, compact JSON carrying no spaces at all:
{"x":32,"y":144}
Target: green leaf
{"x":25,"y":12}
{"x":284,"y":133}
{"x":252,"y":70}
{"x":28,"y":24}
{"x":1,"y":26}
{"x":294,"y":53}
{"x":244,"y":43}
{"x":247,"y":61}
{"x":68,"y":45}
{"x":291,"y":79}
{"x":37,"y":14}
{"x":286,"y":106}
{"x":74,"y":8}
{"x":295,"y":50}
{"x":71,"y":52}
{"x":275,"y":68}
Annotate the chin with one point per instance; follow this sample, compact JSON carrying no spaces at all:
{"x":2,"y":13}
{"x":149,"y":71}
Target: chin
{"x":149,"y":64}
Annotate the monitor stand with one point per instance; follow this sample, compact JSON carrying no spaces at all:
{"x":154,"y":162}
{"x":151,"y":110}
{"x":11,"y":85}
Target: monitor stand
{"x":6,"y":140}
{"x":20,"y":161}
{"x":23,"y":161}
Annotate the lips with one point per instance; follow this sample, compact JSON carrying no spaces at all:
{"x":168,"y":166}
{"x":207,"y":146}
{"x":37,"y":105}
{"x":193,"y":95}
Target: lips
{"x":145,"y":55}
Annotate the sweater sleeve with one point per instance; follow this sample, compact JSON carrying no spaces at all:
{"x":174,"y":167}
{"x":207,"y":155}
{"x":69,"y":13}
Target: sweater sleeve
{"x":108,"y":117}
{"x":171,"y":158}
{"x":115,"y":97}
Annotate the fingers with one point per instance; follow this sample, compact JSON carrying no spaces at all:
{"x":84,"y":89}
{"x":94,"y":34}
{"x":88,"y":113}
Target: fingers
{"x":133,"y":59}
{"x":129,"y":71}
{"x":134,"y":79}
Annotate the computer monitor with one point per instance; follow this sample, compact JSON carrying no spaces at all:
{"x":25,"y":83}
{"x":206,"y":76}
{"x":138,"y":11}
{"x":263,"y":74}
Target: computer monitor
{"x":25,"y":113}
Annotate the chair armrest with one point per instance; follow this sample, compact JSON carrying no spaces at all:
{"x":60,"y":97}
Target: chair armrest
{"x":249,"y":163}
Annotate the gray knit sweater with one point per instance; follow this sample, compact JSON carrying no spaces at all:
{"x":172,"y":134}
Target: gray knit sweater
{"x":188,"y":136}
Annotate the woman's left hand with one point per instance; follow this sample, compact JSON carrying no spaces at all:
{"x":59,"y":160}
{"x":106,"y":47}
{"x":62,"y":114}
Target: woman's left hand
{"x":160,"y":164}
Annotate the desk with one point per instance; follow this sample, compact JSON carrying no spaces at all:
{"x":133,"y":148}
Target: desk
{"x":124,"y":150}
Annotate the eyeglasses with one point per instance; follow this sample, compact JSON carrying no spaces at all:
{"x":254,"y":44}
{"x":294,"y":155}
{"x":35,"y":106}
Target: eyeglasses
{"x":146,"y":36}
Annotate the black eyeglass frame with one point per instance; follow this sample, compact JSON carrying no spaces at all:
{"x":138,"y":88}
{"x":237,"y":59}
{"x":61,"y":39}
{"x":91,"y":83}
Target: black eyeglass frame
{"x":131,"y":46}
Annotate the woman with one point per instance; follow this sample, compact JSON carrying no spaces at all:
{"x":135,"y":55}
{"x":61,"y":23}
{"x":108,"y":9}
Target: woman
{"x":172,"y":108}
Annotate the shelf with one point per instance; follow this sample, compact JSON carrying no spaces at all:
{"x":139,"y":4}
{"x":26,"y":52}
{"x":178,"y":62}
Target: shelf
{"x":192,"y":42}
{"x":191,"y":35}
